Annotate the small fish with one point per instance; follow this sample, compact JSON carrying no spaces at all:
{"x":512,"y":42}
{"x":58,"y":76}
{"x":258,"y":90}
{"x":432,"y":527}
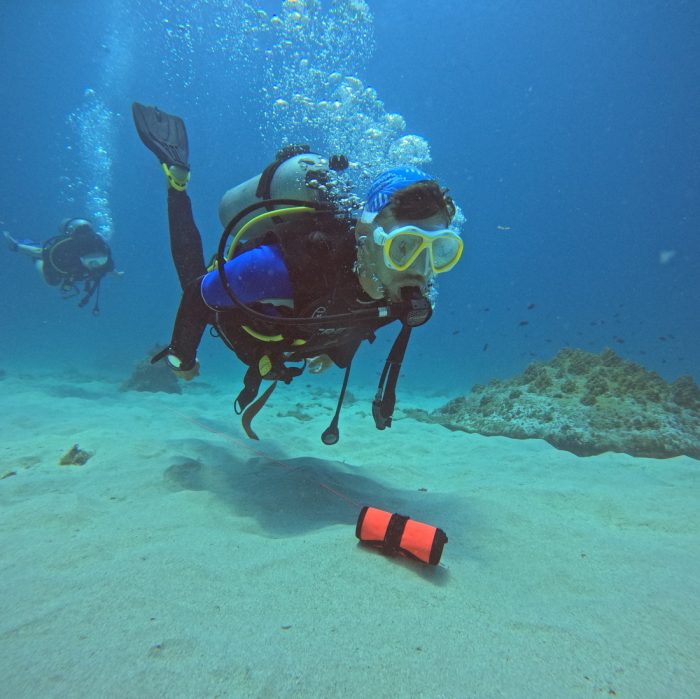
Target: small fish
{"x":455,"y":332}
{"x":503,"y":228}
{"x":662,"y":338}
{"x":486,"y":310}
{"x":523,"y":322}
{"x":530,"y":306}
{"x":485,"y":347}
{"x":665,"y":256}
{"x":593,"y":322}
{"x":619,"y":341}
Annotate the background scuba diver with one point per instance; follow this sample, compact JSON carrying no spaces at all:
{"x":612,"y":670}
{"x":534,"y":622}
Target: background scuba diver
{"x":302,"y":282}
{"x":77,"y":254}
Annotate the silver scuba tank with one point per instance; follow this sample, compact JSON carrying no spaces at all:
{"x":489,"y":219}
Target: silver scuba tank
{"x":300,"y":177}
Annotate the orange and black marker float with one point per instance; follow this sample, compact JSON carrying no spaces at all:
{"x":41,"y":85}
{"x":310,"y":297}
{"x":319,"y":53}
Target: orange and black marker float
{"x":396,"y":533}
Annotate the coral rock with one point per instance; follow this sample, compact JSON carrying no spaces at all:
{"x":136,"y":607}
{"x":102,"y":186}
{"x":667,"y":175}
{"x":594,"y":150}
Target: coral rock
{"x":75,"y":456}
{"x":587,"y":404}
{"x":152,"y":377}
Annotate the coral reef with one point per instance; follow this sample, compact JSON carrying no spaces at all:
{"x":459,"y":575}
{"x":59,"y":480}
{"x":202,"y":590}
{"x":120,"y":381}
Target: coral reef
{"x":587,"y":404}
{"x":152,"y":377}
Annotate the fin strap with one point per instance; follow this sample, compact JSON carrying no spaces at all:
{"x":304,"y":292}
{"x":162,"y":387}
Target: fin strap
{"x":173,"y":181}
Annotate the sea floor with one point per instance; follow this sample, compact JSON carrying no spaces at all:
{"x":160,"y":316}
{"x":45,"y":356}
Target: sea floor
{"x":185,"y":560}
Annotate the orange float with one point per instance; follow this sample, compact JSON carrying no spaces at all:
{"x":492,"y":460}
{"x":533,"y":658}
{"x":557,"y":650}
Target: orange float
{"x":397,"y":534}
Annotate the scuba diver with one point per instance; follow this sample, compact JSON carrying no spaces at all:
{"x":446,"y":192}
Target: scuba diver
{"x":298,"y":281}
{"x":77,"y":254}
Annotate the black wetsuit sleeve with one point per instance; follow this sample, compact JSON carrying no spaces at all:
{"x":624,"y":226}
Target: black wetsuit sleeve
{"x":190,"y":322}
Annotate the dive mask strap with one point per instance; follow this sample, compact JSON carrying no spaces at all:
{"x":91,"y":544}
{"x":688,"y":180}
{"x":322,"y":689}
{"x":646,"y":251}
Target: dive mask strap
{"x":385,"y":400}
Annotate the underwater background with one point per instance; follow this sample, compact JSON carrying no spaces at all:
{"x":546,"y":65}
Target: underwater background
{"x":566,"y":131}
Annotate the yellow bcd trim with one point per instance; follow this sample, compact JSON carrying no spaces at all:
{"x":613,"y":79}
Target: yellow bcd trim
{"x":264,"y":365}
{"x":269,"y":338}
{"x":260,"y":336}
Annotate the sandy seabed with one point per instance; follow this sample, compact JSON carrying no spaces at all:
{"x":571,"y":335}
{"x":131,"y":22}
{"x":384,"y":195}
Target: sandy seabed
{"x":184,"y":560}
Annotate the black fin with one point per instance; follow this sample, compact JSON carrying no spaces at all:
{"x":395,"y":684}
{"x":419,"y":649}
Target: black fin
{"x":163,"y":134}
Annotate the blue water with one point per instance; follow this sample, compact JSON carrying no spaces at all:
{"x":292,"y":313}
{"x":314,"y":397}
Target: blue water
{"x":566,"y":131}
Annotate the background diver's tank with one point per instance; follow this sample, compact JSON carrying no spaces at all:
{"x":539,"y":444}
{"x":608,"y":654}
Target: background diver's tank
{"x":305,"y":176}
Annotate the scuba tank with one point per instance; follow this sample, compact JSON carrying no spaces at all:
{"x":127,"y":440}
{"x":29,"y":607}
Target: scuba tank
{"x":296,"y":173}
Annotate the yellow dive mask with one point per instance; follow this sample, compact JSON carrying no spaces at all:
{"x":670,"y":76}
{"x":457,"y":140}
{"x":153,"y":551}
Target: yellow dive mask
{"x":403,"y":245}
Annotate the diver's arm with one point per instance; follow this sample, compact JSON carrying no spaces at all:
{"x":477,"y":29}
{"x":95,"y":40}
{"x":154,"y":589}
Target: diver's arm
{"x":254,"y":275}
{"x":26,"y":247}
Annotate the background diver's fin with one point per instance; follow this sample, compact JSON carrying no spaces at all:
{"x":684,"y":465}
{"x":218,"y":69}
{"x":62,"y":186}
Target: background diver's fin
{"x":163,"y":134}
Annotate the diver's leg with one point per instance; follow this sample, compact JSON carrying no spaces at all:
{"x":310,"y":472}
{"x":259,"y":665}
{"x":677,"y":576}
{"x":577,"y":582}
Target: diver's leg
{"x":185,"y":240}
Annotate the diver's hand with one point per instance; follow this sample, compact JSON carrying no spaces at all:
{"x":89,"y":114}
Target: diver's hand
{"x":11,"y":242}
{"x":188,"y":374}
{"x":317,"y":365}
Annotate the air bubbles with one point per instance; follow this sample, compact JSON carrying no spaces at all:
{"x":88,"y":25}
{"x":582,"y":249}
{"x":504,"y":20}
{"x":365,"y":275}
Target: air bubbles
{"x":409,"y":150}
{"x":315,"y":73}
{"x":352,"y":83}
{"x":395,"y":122}
{"x":94,"y":133}
{"x":304,"y":64}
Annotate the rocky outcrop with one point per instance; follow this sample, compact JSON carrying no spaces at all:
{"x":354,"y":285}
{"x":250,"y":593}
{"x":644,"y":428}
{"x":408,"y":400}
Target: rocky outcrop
{"x":587,"y":404}
{"x":152,"y":377}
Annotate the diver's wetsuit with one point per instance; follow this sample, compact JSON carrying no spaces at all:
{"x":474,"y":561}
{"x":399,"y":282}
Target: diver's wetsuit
{"x":61,"y":257}
{"x":312,"y":266}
